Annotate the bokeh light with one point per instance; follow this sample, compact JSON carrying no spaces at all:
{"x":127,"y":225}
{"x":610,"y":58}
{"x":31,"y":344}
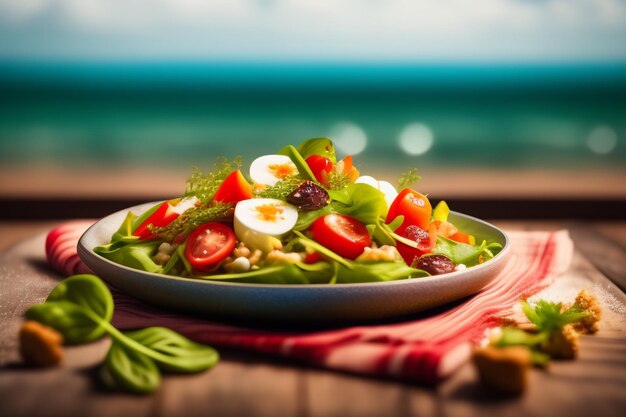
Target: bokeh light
{"x":416,"y":139}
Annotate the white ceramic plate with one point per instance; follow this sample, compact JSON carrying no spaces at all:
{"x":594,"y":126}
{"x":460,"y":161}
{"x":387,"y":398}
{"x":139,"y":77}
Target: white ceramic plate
{"x":311,"y":303}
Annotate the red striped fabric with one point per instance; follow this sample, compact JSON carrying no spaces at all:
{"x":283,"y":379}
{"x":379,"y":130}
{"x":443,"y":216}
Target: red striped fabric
{"x":424,"y":350}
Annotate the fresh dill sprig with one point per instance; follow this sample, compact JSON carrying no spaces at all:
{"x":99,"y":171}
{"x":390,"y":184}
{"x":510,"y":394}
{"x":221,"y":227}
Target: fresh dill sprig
{"x":204,"y":185}
{"x":408,"y":178}
{"x":338,"y":180}
{"x":192,"y":218}
{"x":281,"y":189}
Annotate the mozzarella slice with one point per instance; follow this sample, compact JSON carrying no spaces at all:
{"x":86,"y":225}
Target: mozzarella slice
{"x":260,"y":222}
{"x":385,"y":187}
{"x":270,"y":169}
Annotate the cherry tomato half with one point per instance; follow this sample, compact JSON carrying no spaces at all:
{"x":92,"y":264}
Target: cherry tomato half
{"x":161,"y":217}
{"x":208,"y":245}
{"x":344,"y":235}
{"x":415,"y":208}
{"x":320,"y":166}
{"x":234,"y":189}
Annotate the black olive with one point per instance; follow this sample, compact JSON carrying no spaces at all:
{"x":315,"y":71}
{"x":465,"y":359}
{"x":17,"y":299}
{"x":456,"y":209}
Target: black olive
{"x":434,"y":264}
{"x":309,"y":196}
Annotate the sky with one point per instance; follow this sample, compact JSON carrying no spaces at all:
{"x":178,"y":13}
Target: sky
{"x":320,"y":30}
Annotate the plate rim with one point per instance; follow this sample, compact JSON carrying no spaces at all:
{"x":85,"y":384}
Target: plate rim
{"x":85,"y":252}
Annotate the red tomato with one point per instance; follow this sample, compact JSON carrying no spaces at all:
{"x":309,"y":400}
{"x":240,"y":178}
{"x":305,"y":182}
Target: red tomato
{"x":462,"y":237}
{"x":350,"y":169}
{"x":344,"y":235}
{"x":234,"y":189}
{"x":425,"y":239}
{"x":415,"y":208}
{"x":163,"y":216}
{"x":312,"y":258}
{"x":320,"y":166}
{"x":208,"y":245}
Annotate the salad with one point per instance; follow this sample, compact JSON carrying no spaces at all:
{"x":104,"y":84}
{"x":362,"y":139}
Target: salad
{"x":302,"y":217}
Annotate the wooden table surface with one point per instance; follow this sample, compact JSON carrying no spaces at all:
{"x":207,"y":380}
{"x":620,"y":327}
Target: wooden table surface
{"x":245,"y":384}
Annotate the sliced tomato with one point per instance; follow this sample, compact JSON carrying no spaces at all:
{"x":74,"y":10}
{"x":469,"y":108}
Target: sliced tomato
{"x":208,"y":245}
{"x":161,"y":217}
{"x":321,"y":167}
{"x":415,"y":208}
{"x":425,"y":239}
{"x":234,"y":189}
{"x":344,"y":235}
{"x":312,"y":258}
{"x":349,"y":169}
{"x":463,"y":238}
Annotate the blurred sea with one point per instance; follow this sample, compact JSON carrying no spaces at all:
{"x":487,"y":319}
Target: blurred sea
{"x":76,"y":113}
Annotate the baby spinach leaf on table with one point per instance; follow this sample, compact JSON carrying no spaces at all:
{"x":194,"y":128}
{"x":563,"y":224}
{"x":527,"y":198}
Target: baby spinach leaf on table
{"x":131,"y":370}
{"x":318,"y":146}
{"x":69,"y":319}
{"x":71,"y":307}
{"x":176,"y":352}
{"x":81,"y":307}
{"x":136,"y":255}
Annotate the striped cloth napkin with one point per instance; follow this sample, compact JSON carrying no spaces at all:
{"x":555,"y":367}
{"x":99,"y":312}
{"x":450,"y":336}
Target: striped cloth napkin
{"x":425,"y":349}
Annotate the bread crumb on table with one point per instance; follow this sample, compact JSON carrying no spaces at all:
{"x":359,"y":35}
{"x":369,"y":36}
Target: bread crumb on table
{"x":40,"y":345}
{"x":503,"y":369}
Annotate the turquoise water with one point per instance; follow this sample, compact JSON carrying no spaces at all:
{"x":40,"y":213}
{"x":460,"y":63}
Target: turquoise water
{"x":570,"y":116}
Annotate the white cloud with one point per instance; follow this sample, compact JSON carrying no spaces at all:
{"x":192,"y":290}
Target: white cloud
{"x":392,"y":29}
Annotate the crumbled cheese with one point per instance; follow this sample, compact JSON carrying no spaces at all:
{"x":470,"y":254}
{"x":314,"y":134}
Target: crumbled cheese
{"x":384,"y":253}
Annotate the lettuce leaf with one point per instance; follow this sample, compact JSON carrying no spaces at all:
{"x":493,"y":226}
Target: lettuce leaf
{"x":361,"y":201}
{"x":135,"y":255}
{"x":318,"y":146}
{"x":462,"y":253}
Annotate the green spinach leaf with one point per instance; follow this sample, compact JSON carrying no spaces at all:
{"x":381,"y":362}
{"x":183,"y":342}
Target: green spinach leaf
{"x":177,"y":353}
{"x":361,"y":201}
{"x":71,"y":307}
{"x":318,"y":146}
{"x":135,"y":255}
{"x":462,"y":253}
{"x":131,"y":370}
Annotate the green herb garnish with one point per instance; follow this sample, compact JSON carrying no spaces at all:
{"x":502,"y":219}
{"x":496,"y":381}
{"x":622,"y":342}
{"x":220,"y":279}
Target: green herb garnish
{"x":203,"y":186}
{"x":338,"y":180}
{"x":282,"y":188}
{"x":408,"y":178}
{"x":192,"y":218}
{"x":81,"y":307}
